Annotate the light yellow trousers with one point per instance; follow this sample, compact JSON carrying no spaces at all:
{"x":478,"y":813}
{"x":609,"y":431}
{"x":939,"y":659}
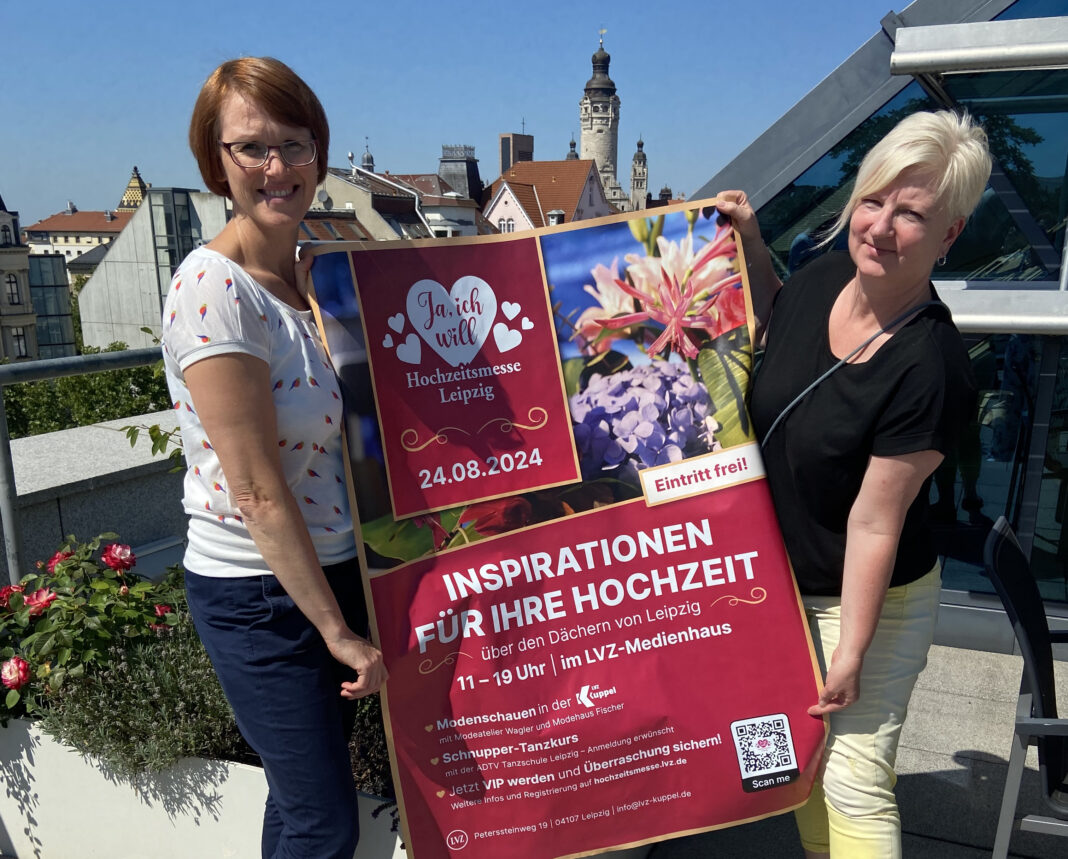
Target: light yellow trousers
{"x":853,"y":813}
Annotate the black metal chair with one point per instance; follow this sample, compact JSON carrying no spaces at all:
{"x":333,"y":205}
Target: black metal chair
{"x":1037,"y":722}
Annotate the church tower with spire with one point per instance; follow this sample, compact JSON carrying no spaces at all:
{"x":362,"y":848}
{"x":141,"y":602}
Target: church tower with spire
{"x":599,"y":124}
{"x":134,"y":194}
{"x":639,"y":178}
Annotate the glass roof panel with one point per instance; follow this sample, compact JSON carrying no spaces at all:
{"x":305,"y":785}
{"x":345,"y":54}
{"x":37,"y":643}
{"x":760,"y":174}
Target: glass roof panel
{"x":1025,"y":114}
{"x":1033,"y":9}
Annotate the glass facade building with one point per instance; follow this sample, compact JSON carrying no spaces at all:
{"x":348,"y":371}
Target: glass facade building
{"x":1004,"y":279}
{"x":51,"y":300}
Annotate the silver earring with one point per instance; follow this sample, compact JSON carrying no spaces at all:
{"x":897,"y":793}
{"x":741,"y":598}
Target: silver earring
{"x":941,"y":261}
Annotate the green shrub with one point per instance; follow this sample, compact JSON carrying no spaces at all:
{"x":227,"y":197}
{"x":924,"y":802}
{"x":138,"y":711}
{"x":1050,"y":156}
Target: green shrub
{"x":148,"y":705}
{"x":74,"y":401}
{"x":368,"y":750}
{"x":111,"y":664}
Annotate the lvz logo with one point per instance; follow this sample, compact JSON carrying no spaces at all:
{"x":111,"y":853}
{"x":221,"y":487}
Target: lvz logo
{"x":456,"y":840}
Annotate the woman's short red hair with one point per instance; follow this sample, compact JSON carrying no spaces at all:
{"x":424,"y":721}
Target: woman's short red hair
{"x":272,"y":85}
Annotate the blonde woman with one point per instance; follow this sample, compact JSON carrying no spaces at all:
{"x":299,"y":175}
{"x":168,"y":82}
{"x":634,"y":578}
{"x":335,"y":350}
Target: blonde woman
{"x":864,"y":387}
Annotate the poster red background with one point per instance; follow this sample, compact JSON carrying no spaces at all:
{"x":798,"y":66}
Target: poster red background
{"x":510,"y":432}
{"x":655,"y":690}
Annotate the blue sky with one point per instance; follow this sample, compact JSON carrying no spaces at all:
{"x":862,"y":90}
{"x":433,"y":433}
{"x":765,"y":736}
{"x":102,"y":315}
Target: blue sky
{"x":92,"y":89}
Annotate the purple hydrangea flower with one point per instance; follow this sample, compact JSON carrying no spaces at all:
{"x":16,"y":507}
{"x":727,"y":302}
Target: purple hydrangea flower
{"x":649,"y":415}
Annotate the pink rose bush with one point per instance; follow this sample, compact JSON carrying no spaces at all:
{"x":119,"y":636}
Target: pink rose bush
{"x":66,"y":619}
{"x":57,"y":558}
{"x":39,"y":601}
{"x":118,"y":557}
{"x":6,"y":592}
{"x":15,"y":673}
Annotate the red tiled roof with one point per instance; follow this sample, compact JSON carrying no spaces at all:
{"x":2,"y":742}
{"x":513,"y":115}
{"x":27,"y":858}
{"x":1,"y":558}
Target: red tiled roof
{"x":82,"y":222}
{"x":559,"y":185}
{"x":527,"y":199}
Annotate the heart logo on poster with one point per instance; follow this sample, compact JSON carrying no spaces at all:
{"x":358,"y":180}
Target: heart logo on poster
{"x":410,"y":352}
{"x":456,"y":323}
{"x":506,"y":338}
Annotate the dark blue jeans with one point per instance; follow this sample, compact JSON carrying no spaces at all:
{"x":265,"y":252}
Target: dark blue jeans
{"x":284,"y":687}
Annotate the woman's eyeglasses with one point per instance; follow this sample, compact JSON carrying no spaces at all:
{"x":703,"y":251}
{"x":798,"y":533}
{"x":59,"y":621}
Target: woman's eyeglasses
{"x":295,"y":153}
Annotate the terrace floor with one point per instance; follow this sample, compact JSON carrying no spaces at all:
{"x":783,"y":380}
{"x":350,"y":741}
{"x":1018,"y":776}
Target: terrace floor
{"x":951,"y":771}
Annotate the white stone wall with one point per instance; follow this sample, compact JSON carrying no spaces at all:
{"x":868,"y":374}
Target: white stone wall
{"x":88,"y":480}
{"x":124,"y":294}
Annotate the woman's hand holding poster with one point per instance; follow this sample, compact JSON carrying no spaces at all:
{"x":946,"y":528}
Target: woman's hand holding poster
{"x":591,"y":628}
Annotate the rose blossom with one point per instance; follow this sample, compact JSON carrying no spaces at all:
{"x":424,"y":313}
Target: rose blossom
{"x":57,"y":558}
{"x":39,"y":600}
{"x":498,"y":516}
{"x":119,"y":557}
{"x":15,"y":673}
{"x":5,"y":594}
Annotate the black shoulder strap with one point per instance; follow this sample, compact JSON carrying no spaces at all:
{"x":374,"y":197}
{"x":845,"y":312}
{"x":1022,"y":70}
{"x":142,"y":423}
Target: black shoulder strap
{"x":912,"y":311}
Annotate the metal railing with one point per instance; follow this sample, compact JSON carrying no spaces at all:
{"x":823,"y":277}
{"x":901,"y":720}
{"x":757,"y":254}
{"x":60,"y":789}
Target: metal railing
{"x":35,"y":371}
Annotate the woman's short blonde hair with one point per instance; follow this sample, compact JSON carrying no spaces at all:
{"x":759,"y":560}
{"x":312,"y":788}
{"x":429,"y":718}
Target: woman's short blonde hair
{"x":950,"y":147}
{"x":273,"y":86}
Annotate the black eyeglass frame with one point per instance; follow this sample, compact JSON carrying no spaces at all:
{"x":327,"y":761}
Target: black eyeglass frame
{"x":277,"y":148}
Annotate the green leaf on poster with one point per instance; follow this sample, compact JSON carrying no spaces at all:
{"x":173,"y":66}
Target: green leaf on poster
{"x":726,"y":365}
{"x":405,"y":540}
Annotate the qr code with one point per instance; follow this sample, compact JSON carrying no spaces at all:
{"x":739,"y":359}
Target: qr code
{"x":765,"y":750}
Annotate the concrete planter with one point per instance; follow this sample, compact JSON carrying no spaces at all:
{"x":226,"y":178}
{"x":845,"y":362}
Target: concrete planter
{"x":54,"y":804}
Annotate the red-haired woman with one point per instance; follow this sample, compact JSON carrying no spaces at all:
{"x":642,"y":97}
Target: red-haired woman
{"x":273,"y":582}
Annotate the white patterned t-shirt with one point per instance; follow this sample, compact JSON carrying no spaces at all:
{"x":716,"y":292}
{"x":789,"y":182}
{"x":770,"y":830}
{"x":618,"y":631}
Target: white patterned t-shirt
{"x":214,"y":308}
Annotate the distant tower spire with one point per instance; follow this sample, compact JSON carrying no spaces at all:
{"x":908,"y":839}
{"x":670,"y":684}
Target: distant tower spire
{"x":639,"y":178}
{"x":368,"y":160}
{"x":599,"y":124}
{"x":134,"y":193}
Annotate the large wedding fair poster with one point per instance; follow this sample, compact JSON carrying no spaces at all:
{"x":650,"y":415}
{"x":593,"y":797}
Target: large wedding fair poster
{"x":593,"y":635}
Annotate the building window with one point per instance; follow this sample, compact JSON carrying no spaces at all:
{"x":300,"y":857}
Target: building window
{"x":18,"y":342}
{"x":509,"y":226}
{"x":500,"y":224}
{"x":13,"y":296}
{"x":5,"y":235}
